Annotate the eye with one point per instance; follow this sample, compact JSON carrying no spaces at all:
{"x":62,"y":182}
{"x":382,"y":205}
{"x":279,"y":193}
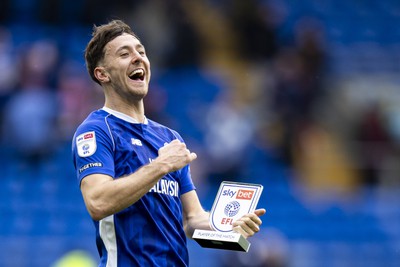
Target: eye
{"x":125,"y":54}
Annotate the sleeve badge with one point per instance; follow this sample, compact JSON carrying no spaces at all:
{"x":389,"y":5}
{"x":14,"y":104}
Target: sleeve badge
{"x":86,"y":144}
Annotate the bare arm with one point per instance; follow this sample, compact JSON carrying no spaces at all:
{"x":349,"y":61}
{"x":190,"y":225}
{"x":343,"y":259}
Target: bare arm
{"x":104,"y":195}
{"x":194,"y":216}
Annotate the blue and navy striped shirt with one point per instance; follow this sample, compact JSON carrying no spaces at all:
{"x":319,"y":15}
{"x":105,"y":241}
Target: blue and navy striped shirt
{"x":150,"y":232}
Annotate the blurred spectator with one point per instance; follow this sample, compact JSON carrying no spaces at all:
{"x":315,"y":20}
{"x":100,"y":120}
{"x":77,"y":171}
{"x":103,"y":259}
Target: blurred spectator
{"x":8,"y":69}
{"x":254,"y":30}
{"x":229,"y":132}
{"x":300,"y":72}
{"x":310,"y":43}
{"x":309,"y":37}
{"x":186,"y":48}
{"x":290,"y":99}
{"x":375,"y":144}
{"x":77,"y":96}
{"x":30,"y":114}
{"x":8,"y":63}
{"x":40,"y":64}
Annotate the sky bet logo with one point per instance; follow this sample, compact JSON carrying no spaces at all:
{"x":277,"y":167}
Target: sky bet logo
{"x":241,"y":194}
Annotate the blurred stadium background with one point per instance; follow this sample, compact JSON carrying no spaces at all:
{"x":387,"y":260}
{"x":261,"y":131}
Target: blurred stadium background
{"x":301,"y":96}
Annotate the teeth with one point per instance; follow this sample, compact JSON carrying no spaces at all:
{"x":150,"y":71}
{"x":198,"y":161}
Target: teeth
{"x":137,"y":71}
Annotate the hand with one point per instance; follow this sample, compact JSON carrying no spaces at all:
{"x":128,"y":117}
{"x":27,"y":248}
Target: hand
{"x":175,"y":155}
{"x":249,"y":224}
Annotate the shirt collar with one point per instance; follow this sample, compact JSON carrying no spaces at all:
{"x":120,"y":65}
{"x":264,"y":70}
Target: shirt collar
{"x":123,"y":116}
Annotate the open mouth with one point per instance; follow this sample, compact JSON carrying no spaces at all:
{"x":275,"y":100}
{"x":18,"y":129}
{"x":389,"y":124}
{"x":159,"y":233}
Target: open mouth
{"x":137,"y":75}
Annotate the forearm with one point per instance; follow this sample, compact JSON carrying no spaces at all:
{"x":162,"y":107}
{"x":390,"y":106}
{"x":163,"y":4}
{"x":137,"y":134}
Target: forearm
{"x":201,"y":221}
{"x":194,"y":216}
{"x":114,"y":195}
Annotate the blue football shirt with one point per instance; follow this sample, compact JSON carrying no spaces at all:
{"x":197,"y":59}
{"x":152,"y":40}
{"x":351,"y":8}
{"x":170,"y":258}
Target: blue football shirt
{"x":150,"y":232}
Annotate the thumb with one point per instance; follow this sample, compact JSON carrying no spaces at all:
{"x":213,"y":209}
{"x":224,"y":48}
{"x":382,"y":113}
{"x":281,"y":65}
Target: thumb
{"x":260,"y":212}
{"x":193,"y":156}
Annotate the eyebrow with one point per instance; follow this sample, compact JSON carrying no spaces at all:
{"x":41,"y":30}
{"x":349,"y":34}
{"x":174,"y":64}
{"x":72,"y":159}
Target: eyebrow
{"x":138,"y":46}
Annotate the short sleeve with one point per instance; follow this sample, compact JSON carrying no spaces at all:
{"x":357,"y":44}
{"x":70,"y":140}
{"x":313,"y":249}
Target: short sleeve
{"x":93,"y":151}
{"x":186,"y":180}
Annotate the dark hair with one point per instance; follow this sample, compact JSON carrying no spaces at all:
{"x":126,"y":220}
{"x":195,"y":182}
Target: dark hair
{"x":101,"y":36}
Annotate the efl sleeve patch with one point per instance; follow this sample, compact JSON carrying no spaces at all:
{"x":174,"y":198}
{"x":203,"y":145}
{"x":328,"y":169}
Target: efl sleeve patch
{"x":86,"y":144}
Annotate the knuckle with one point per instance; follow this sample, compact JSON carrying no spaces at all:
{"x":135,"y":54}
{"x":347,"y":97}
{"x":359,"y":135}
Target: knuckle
{"x":246,"y":219}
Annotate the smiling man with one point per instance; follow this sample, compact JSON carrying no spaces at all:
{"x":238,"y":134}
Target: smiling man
{"x":133,"y":172}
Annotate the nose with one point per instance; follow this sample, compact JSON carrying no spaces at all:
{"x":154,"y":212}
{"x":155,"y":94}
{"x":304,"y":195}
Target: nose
{"x":136,"y":57}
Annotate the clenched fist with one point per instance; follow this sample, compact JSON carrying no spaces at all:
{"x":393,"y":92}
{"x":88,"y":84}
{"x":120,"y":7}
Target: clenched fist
{"x":175,"y":155}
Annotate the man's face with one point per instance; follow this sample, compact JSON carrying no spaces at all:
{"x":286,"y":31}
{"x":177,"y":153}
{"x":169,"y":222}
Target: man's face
{"x":127,"y":67}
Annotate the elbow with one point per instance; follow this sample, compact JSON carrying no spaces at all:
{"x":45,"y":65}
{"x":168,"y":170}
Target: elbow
{"x":97,"y":211}
{"x":97,"y":216}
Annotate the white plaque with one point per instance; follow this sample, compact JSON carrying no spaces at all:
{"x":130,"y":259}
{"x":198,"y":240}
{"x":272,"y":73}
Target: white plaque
{"x":233,"y":200}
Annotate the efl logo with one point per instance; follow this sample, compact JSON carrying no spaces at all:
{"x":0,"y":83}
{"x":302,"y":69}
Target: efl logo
{"x":245,"y":194}
{"x":227,"y":221}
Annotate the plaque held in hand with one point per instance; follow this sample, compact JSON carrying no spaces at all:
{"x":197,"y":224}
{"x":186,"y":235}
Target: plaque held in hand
{"x":233,"y":200}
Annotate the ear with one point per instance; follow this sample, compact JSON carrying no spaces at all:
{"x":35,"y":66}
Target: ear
{"x":101,"y":74}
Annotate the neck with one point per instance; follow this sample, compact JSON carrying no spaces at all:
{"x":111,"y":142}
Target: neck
{"x":135,"y":111}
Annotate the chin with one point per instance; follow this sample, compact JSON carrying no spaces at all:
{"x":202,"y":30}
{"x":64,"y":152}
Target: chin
{"x":140,"y":94}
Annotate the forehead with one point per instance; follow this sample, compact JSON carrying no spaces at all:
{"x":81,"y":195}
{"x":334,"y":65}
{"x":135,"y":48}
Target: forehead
{"x":124,"y":40}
